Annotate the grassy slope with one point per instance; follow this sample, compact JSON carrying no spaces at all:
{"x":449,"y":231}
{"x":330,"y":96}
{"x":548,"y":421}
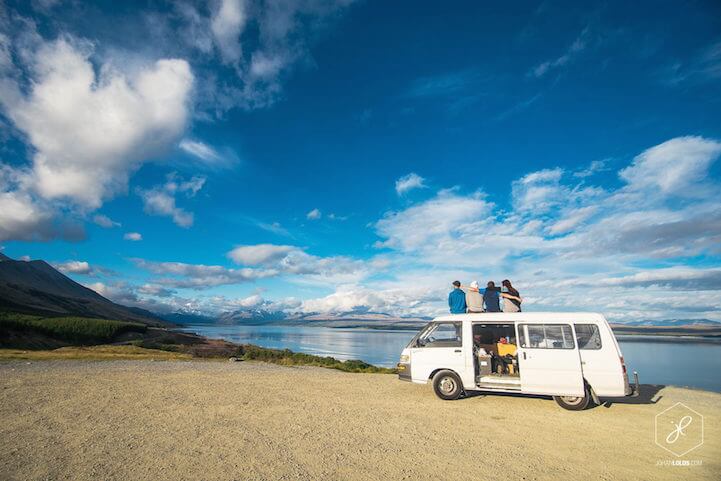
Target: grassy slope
{"x":95,"y":353}
{"x":76,"y":330}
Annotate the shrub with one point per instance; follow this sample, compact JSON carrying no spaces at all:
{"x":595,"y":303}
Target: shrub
{"x":287,"y":357}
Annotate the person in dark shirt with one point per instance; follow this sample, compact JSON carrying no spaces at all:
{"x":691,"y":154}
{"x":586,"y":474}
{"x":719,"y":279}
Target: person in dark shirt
{"x":457,"y":299}
{"x":491,"y":298}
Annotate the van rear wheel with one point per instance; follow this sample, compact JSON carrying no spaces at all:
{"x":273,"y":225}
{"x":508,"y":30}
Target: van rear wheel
{"x":447,"y":385}
{"x":575,"y":403}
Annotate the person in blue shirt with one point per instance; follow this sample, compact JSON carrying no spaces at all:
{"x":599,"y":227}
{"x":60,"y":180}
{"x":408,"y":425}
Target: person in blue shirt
{"x":491,"y":298}
{"x":457,"y":299}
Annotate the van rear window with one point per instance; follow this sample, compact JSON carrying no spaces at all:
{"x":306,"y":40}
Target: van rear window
{"x":588,"y":336}
{"x":546,"y":336}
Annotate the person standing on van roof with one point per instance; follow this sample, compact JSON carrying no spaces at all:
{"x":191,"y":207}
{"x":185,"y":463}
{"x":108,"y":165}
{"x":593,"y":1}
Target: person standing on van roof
{"x":491,"y":298}
{"x":511,"y":298}
{"x":457,"y":299}
{"x":474,"y":299}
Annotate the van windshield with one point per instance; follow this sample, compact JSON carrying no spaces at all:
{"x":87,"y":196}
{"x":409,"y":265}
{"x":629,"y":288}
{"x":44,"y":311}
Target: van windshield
{"x":413,"y":342}
{"x":442,"y":334}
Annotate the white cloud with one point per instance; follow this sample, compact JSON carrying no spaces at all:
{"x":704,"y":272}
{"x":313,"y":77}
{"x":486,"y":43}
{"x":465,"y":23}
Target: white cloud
{"x":580,"y":241}
{"x":407,"y":301}
{"x":133,"y":236}
{"x":24,"y":217}
{"x":155,"y":290}
{"x":227,"y":23}
{"x":409,"y":182}
{"x":102,"y":127}
{"x":572,"y":219}
{"x":200,"y":276}
{"x":314,"y":214}
{"x":74,"y":267}
{"x":260,"y":254}
{"x":676,"y":167}
{"x":593,"y":168}
{"x":538,"y":191}
{"x":259,"y":42}
{"x":160,"y":200}
{"x":294,"y":261}
{"x":434,"y":222}
{"x":105,"y":221}
{"x":578,"y":45}
{"x":275,"y":228}
{"x":207,"y":154}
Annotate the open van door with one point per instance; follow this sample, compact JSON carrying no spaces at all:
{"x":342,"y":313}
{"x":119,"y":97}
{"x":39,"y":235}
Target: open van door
{"x":548,"y":359}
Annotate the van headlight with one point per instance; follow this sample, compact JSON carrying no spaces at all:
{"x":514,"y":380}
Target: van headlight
{"x":405,"y":358}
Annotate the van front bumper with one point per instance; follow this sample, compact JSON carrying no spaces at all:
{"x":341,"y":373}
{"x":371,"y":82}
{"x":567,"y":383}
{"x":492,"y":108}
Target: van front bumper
{"x":404,"y":371}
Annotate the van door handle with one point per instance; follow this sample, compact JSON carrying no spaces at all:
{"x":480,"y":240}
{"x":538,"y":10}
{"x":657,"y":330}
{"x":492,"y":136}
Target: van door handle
{"x":524,"y":354}
{"x":457,"y":350}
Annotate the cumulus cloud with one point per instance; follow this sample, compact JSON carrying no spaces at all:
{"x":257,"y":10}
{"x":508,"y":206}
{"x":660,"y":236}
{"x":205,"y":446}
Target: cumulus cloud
{"x":160,"y":200}
{"x":572,"y":219}
{"x":409,"y":182}
{"x":676,"y":167}
{"x":436,"y":221}
{"x":74,"y":267}
{"x":25,"y":217}
{"x":227,"y":24}
{"x":88,"y":140}
{"x":407,"y":301}
{"x":133,"y":236}
{"x":291,"y":260}
{"x":22,"y":218}
{"x":538,"y":191}
{"x":260,"y":254}
{"x":258,"y":42}
{"x":200,"y":276}
{"x":314,"y":214}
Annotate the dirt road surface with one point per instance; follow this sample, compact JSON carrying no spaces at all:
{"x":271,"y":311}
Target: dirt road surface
{"x":143,"y":420}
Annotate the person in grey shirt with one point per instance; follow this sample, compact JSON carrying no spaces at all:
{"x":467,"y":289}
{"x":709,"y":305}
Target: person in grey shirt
{"x":474,"y":299}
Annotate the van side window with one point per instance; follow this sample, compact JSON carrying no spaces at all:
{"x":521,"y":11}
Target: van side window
{"x":546,"y":336}
{"x":443,"y":334}
{"x":588,"y":336}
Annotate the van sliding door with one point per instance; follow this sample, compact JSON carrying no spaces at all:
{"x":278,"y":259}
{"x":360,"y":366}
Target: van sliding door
{"x":548,"y":360}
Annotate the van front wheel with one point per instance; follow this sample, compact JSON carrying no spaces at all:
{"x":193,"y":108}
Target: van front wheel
{"x":447,"y":385}
{"x":574,"y":403}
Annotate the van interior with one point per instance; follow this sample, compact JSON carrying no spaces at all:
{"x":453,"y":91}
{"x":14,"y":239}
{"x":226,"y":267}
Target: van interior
{"x":495,"y":356}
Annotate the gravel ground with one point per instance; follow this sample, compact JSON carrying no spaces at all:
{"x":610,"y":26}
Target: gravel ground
{"x":142,"y":420}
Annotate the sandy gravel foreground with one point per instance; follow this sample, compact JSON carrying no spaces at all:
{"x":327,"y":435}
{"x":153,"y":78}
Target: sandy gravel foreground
{"x":142,"y":420}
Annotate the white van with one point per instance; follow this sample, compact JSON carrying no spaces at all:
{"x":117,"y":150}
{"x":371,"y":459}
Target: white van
{"x":573,"y":357}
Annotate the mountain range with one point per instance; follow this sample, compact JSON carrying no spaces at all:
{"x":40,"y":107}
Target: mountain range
{"x":36,"y":287}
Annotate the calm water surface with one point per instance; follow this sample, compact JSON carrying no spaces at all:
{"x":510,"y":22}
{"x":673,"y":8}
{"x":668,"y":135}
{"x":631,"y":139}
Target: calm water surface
{"x":680,"y":364}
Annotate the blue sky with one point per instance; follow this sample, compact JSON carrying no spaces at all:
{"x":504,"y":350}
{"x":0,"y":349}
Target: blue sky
{"x":326,"y":156}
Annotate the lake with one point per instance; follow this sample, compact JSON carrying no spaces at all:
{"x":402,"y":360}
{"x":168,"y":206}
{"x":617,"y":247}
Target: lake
{"x":693,"y":364}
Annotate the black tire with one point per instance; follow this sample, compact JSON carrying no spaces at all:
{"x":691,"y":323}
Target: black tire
{"x":447,"y":385}
{"x":575,"y":403}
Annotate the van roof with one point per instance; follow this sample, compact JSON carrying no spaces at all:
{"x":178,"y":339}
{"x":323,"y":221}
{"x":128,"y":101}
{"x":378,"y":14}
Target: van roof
{"x":529,"y":317}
